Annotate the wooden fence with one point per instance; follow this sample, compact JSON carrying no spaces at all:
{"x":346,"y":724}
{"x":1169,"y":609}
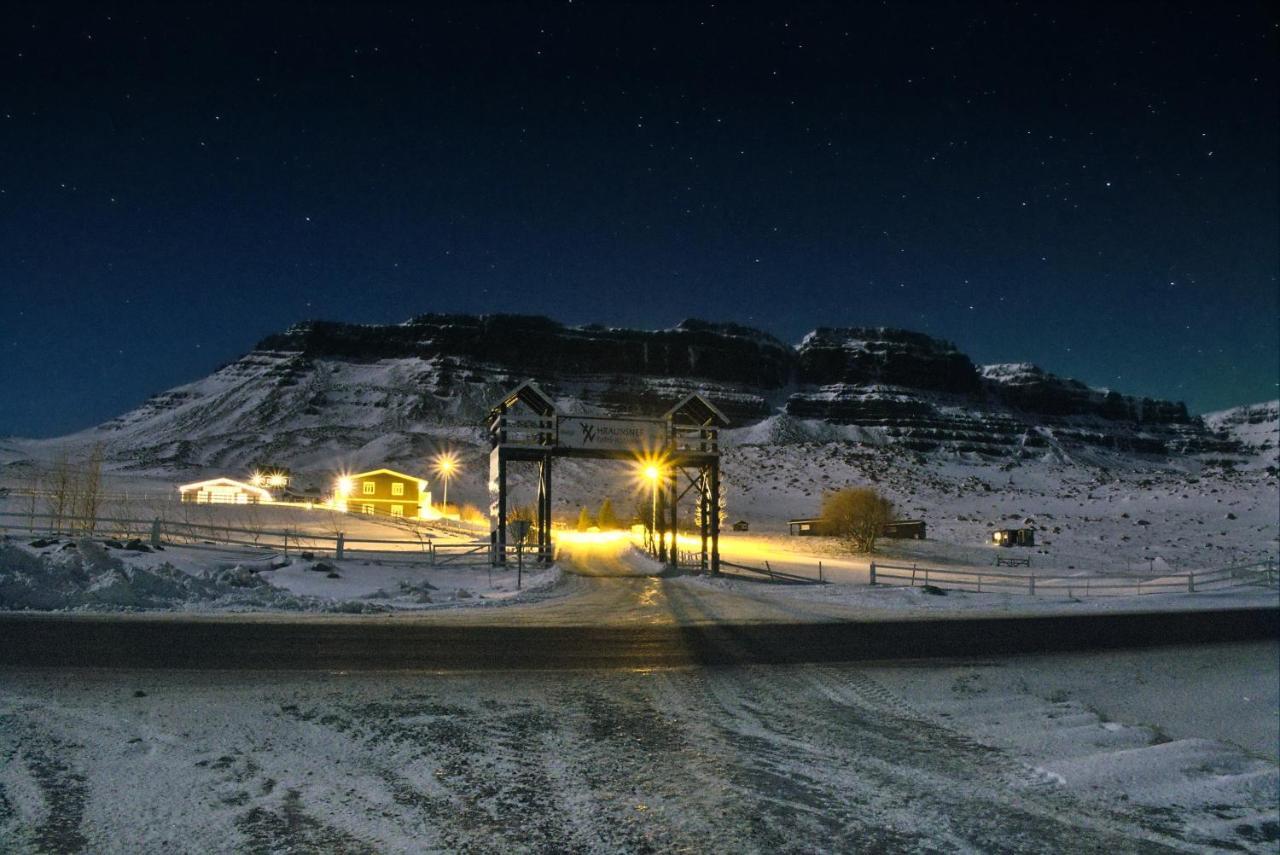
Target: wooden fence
{"x":414,"y":548}
{"x":1253,"y":575}
{"x":781,"y":577}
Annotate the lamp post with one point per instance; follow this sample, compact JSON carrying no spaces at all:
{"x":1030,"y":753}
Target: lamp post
{"x":652,"y":473}
{"x":445,"y":464}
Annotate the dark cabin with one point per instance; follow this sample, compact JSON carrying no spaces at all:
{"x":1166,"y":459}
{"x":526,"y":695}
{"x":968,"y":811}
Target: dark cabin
{"x":904,"y":530}
{"x":741,"y":525}
{"x":812,"y":527}
{"x":898,"y":529}
{"x":1014,"y":537}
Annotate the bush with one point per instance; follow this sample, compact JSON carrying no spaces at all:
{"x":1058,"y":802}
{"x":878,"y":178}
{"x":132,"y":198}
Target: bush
{"x":472,"y":514}
{"x":608,"y":520}
{"x":857,"y":515}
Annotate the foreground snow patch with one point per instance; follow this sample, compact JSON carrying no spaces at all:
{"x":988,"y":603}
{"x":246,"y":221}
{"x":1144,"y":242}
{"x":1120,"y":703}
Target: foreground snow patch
{"x":84,"y":575}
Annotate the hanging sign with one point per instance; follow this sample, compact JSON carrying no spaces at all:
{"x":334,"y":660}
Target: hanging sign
{"x":612,"y":434}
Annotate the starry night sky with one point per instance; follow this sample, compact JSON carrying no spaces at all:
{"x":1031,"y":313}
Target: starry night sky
{"x":1089,"y":188}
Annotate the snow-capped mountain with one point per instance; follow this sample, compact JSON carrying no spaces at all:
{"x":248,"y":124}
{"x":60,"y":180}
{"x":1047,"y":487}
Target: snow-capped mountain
{"x":1255,"y":426}
{"x":322,"y":392}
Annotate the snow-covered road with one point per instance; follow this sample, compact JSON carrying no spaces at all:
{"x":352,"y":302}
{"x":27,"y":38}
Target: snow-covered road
{"x":968,"y":756}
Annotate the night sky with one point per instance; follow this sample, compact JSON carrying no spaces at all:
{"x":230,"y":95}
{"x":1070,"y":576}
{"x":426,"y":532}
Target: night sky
{"x":1089,"y":188}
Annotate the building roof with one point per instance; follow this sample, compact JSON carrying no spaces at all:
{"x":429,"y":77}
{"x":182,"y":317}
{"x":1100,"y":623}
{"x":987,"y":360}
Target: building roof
{"x":387,"y":472}
{"x":697,"y":410}
{"x":224,"y":482}
{"x":530,"y":395}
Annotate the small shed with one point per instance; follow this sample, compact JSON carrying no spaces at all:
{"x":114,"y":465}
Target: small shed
{"x":807,"y":527}
{"x":904,"y":530}
{"x":1014,"y":537}
{"x":223,"y":491}
{"x":741,"y":525}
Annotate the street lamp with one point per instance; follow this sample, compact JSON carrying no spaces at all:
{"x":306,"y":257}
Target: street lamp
{"x":653,"y":473}
{"x":445,"y":466}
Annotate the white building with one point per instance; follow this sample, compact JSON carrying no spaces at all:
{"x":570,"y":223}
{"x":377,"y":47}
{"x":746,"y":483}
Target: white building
{"x":224,"y":491}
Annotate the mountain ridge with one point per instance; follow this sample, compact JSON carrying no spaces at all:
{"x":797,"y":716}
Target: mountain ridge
{"x":326,"y":389}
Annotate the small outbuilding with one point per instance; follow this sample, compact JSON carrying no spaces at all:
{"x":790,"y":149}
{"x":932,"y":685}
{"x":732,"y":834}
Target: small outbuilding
{"x":904,"y":530}
{"x":807,"y":527}
{"x":741,"y":525}
{"x":224,"y":491}
{"x":1014,"y":537}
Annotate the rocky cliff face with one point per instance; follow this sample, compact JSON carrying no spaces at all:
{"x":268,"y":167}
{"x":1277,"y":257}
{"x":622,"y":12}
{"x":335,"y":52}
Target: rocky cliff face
{"x":382,"y":393}
{"x":1256,"y":427}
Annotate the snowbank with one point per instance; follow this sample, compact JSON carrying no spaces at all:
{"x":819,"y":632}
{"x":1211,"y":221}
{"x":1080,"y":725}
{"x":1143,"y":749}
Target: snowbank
{"x":85,"y":575}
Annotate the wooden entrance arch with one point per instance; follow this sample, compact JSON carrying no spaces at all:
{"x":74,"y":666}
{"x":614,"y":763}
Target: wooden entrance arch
{"x":525,"y":426}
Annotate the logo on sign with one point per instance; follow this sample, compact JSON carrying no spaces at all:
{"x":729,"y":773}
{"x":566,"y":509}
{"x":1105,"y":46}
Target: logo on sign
{"x":588,"y":432}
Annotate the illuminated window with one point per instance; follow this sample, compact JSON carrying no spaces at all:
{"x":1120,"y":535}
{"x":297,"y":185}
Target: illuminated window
{"x":397,"y":489}
{"x":366,"y":509}
{"x":397,"y":510}
{"x":368,"y":487}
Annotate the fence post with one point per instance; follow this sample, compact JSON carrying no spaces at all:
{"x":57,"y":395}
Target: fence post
{"x":820,"y":579}
{"x":770,"y":569}
{"x":873,"y":572}
{"x":1031,"y":581}
{"x":338,"y":550}
{"x":155,"y":532}
{"x":1191,"y":583}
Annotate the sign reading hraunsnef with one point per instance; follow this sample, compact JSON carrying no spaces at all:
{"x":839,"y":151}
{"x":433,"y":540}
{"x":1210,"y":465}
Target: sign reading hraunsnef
{"x":619,"y":434}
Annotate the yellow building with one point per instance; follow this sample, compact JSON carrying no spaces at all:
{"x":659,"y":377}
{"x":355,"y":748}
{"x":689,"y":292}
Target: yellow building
{"x":384,"y":492}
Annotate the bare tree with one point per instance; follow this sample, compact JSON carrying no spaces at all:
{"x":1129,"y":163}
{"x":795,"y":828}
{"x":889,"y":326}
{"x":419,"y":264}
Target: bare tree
{"x":251,"y":521}
{"x":857,"y":515}
{"x":60,"y":498}
{"x":89,"y":496}
{"x":33,"y":495}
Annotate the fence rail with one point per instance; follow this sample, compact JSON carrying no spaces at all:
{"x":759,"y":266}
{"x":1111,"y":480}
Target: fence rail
{"x":777,"y":576}
{"x":414,"y":548}
{"x":1256,"y":574}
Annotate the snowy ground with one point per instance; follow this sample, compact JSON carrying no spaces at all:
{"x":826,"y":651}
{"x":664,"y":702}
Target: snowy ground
{"x":1106,"y":516}
{"x":67,"y":574}
{"x":1152,"y":751}
{"x":867,"y":601}
{"x":1098,"y":516}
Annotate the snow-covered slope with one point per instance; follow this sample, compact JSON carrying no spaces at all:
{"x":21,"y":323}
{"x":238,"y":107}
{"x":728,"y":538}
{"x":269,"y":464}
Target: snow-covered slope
{"x":1256,"y":427}
{"x":327,"y":395}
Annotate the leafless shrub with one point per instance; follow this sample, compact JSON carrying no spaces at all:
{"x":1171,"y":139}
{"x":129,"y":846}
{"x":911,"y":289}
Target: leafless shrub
{"x":857,"y":515}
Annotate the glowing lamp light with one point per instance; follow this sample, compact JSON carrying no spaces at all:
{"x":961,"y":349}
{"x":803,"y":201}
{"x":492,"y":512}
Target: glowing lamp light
{"x":277,"y":480}
{"x":651,"y":472}
{"x":446,"y":463}
{"x":345,"y":485}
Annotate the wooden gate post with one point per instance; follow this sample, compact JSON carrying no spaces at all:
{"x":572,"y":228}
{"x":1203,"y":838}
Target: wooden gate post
{"x":155,"y":532}
{"x":338,"y":550}
{"x":873,"y":572}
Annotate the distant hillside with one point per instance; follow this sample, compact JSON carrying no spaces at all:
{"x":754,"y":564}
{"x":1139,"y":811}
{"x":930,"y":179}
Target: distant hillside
{"x":322,"y":392}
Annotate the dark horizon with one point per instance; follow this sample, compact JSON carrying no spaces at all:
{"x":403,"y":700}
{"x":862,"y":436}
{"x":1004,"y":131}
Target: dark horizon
{"x":1090,"y":188}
